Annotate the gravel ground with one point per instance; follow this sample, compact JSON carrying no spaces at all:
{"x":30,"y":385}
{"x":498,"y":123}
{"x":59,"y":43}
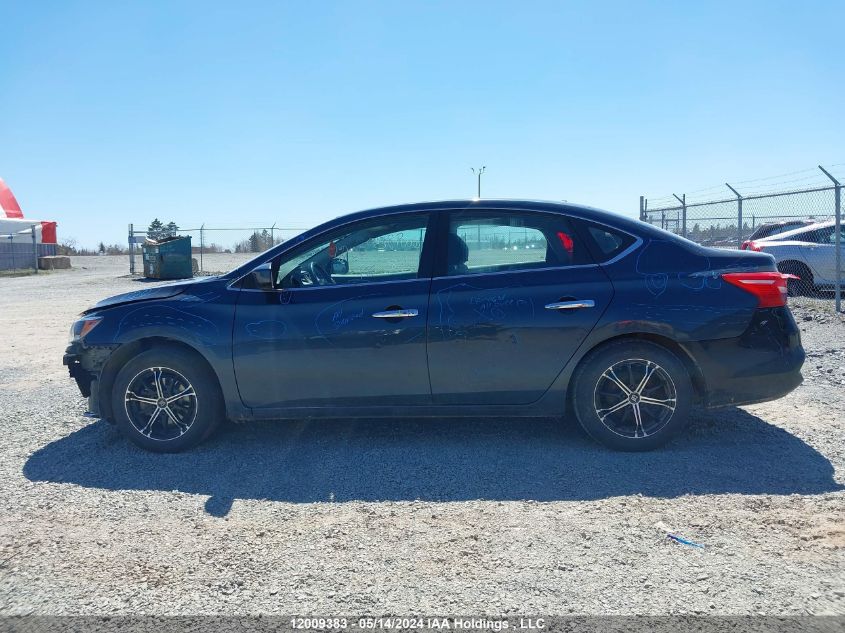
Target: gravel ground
{"x":423,"y":517}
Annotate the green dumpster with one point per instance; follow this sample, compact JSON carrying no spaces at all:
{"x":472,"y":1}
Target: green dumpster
{"x":168,"y":258}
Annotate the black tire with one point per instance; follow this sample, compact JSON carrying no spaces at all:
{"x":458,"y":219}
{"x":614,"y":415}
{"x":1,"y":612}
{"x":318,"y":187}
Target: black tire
{"x":804,"y":285}
{"x":609,"y":415}
{"x":186,"y":420}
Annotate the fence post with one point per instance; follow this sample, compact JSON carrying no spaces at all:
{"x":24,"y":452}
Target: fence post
{"x":131,"y":250}
{"x":642,"y":209}
{"x":202,"y":237}
{"x":683,"y":201}
{"x":738,"y":215}
{"x":837,"y":210}
{"x":34,"y":248}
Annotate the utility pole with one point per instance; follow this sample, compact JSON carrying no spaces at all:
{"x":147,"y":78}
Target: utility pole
{"x":683,"y":201}
{"x":738,"y":215}
{"x":837,"y":237}
{"x":479,"y":171}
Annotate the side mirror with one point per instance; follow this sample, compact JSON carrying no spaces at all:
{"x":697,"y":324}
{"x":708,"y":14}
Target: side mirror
{"x":260,"y":278}
{"x":339,"y":266}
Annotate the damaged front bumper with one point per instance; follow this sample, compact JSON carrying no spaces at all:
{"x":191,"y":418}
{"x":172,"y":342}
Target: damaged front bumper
{"x":84,"y":365}
{"x":73,"y":361}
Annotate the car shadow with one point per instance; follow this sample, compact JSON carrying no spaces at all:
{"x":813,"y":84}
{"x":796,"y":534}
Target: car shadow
{"x":727,"y":451}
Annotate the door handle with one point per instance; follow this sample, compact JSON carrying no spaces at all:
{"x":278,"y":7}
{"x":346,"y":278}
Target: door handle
{"x":396,"y":314}
{"x":571,"y":305}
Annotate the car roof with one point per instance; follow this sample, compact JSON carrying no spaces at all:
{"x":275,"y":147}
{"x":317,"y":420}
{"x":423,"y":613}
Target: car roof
{"x":482,"y":203}
{"x":782,"y":222}
{"x":578,"y":210}
{"x":616,"y":220}
{"x":779,"y":237}
{"x":775,"y":228}
{"x":584,"y":212}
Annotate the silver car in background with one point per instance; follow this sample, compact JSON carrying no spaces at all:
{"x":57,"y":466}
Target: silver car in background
{"x":809,"y":253}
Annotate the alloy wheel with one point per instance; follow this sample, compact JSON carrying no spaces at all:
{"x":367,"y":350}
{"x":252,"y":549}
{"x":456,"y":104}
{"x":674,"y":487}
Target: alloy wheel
{"x":161,"y":403}
{"x":635,"y":398}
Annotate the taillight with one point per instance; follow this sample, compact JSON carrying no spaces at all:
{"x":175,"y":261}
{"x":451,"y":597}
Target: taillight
{"x":769,"y":288}
{"x":748,"y":245}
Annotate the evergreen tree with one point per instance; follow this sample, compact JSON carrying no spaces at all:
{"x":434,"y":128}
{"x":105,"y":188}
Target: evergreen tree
{"x":155,"y":229}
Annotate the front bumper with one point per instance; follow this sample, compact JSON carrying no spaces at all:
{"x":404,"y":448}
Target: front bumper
{"x":73,"y":361}
{"x":762,"y":364}
{"x":85,"y":364}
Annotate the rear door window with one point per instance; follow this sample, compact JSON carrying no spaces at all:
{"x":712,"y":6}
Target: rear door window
{"x":480,"y":242}
{"x":826,"y":235}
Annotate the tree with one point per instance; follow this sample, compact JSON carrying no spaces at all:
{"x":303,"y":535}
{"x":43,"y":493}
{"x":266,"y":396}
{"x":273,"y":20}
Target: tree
{"x":116,"y":249}
{"x":67,"y":247}
{"x":158,"y":230}
{"x":102,"y":249}
{"x":255,"y":242}
{"x":154,"y":230}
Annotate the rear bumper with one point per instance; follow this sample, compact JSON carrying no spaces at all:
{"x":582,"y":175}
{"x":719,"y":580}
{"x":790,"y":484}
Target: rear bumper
{"x":762,"y":364}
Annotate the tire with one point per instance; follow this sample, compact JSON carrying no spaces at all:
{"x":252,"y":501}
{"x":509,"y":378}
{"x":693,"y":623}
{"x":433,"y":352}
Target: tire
{"x":609,"y":414}
{"x":802,"y":287}
{"x":187,"y":420}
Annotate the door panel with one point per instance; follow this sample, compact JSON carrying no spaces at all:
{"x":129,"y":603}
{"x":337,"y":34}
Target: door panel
{"x":330,"y":333}
{"x":820,"y":254}
{"x":494,"y":335}
{"x":322,"y":346}
{"x":821,"y":259}
{"x":492,"y":340}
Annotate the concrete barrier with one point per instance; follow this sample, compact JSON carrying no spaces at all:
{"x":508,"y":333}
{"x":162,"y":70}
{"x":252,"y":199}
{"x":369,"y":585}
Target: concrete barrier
{"x":54,"y":262}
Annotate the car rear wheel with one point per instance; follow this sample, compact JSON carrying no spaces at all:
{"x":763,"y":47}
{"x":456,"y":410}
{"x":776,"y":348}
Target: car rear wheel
{"x":632,"y":395}
{"x":166,"y":401}
{"x":801,"y":287}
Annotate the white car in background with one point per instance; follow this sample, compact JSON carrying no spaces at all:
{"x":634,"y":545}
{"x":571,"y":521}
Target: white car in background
{"x":809,"y":253}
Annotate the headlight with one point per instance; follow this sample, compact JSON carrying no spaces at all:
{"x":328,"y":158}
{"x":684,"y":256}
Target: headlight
{"x":84,"y":325}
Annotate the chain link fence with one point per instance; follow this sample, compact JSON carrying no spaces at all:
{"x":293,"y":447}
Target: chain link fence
{"x":20,"y":251}
{"x":752,"y":210}
{"x":214,"y":249}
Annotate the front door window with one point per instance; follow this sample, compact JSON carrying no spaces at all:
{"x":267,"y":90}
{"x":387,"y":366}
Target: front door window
{"x":370,"y":252}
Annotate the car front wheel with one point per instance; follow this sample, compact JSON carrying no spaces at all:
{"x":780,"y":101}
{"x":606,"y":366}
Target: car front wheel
{"x":166,"y":401}
{"x":632,"y":395}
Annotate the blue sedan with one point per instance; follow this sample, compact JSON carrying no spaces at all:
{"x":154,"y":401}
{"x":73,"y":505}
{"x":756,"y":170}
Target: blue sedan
{"x":459,"y":308}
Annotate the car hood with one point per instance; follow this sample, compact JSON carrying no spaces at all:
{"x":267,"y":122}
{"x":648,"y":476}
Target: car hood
{"x":164,"y":291}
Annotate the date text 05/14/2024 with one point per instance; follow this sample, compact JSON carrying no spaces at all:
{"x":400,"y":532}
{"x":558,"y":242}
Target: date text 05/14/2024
{"x":410,"y":623}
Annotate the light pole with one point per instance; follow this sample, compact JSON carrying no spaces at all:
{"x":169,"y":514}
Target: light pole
{"x":479,"y":171}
